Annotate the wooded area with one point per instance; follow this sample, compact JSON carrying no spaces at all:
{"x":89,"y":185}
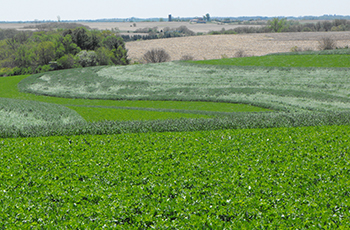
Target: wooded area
{"x":27,"y":52}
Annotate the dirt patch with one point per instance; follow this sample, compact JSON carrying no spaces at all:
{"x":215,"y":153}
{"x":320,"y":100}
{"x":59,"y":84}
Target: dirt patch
{"x":218,"y":46}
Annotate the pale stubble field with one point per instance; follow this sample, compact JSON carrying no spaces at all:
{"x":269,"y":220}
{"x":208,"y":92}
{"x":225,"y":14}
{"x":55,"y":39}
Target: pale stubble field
{"x":218,"y":46}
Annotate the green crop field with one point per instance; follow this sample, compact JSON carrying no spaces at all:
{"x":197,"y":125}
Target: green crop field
{"x":286,"y":61}
{"x":203,"y":145}
{"x":295,"y":178}
{"x":116,"y":110}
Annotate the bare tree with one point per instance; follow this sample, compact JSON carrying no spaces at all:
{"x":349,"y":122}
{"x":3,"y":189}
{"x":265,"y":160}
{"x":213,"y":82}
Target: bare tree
{"x":327,"y":43}
{"x":187,"y":58}
{"x":156,"y":56}
{"x":240,"y":53}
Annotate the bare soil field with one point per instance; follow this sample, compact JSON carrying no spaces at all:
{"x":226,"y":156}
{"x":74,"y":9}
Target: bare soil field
{"x":218,"y":46}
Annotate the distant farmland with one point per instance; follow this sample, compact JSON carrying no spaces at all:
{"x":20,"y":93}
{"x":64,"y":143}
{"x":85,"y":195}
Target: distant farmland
{"x":213,"y":46}
{"x":219,"y":46}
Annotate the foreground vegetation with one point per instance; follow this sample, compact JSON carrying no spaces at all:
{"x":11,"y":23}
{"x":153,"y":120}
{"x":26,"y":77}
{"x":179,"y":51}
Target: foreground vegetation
{"x":206,"y":95}
{"x":223,"y":166}
{"x":261,"y":178}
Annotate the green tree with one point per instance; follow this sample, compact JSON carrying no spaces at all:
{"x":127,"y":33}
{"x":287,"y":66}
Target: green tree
{"x":23,"y":58}
{"x":277,"y":25}
{"x":45,"y":52}
{"x":117,"y":46}
{"x":81,"y":38}
{"x":69,"y":46}
{"x":104,"y":56}
{"x":66,"y":62}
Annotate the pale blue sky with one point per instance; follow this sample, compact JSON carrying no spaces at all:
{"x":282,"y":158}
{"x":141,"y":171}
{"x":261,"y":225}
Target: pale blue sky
{"x":28,"y":10}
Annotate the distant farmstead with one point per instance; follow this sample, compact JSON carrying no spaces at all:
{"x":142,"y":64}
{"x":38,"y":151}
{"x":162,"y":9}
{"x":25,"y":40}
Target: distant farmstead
{"x":197,"y":20}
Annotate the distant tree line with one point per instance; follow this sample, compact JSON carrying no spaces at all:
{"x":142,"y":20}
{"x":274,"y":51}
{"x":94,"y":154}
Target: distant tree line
{"x":154,"y":33}
{"x":28,"y":52}
{"x":283,"y":25}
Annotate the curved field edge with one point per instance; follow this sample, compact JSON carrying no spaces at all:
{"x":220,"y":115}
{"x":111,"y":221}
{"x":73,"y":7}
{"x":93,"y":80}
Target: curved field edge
{"x":23,"y":113}
{"x":276,"y":178}
{"x":284,"y":89}
{"x":9,"y":89}
{"x":235,"y":121}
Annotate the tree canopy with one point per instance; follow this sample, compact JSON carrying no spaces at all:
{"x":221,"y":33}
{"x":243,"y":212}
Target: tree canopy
{"x":28,"y":52}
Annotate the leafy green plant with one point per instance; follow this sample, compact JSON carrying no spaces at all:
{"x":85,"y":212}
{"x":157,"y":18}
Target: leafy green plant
{"x":276,"y":178}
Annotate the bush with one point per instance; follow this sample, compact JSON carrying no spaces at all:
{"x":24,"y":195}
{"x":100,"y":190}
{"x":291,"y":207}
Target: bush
{"x":104,"y":56}
{"x":156,"y":56}
{"x":66,"y":62}
{"x":87,"y":58}
{"x":43,"y":68}
{"x":187,"y":58}
{"x":327,"y":43}
{"x":296,"y":49}
{"x":240,"y":53}
{"x":5,"y":71}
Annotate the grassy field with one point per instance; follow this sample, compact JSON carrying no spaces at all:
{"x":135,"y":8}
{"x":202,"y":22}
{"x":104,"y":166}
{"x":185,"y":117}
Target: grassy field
{"x":93,"y":109}
{"x":283,"y":89}
{"x":301,"y":96}
{"x":261,"y":178}
{"x":323,"y":61}
{"x":215,"y":165}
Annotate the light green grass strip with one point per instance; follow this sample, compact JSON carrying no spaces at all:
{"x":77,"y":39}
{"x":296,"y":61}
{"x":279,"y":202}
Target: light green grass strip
{"x":284,"y":61}
{"x":111,"y":114}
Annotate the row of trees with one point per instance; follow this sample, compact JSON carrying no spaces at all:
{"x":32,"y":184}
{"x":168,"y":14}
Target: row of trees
{"x":154,"y":33}
{"x":283,"y":25}
{"x":28,"y":52}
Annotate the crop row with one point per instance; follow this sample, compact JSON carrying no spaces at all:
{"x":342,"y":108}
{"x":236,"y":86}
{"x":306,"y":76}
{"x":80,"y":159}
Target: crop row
{"x":23,"y":114}
{"x":260,"y":178}
{"x":234,"y":121}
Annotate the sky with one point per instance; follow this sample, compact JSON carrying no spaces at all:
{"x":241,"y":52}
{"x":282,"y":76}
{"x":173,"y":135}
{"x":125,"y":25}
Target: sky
{"x":29,"y":10}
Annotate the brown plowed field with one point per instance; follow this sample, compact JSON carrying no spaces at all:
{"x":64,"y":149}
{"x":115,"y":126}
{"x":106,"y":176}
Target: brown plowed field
{"x":218,"y":46}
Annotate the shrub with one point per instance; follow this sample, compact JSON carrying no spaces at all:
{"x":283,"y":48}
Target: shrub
{"x":187,"y":58}
{"x":104,"y":56}
{"x":240,"y":53}
{"x":296,"y":49}
{"x":327,"y":43}
{"x":87,"y":58}
{"x":43,"y":68}
{"x":66,"y":62}
{"x":156,"y":56}
{"x":5,"y":71}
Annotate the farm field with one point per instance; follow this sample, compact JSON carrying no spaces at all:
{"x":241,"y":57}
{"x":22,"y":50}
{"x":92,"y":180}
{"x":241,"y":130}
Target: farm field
{"x":259,"y":178}
{"x":277,"y":159}
{"x":219,"y":46}
{"x":323,"y":61}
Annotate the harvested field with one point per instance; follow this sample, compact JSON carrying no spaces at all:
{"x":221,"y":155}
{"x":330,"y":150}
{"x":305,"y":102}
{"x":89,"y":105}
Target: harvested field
{"x":218,"y":46}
